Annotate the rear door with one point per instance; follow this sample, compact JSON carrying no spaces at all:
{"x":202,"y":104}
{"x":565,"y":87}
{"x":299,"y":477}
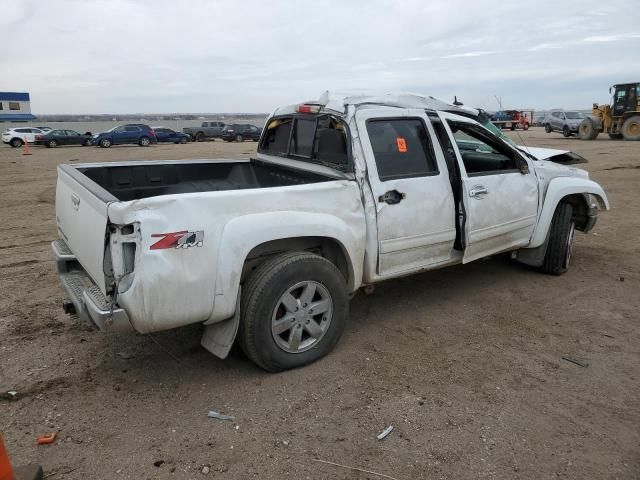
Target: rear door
{"x":414,"y":202}
{"x":499,"y":191}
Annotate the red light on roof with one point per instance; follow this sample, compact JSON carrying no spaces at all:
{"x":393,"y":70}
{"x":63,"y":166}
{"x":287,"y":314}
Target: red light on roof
{"x":308,"y":108}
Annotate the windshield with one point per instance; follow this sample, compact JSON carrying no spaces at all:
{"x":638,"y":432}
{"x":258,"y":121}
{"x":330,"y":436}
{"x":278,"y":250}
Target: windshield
{"x":574,"y":115}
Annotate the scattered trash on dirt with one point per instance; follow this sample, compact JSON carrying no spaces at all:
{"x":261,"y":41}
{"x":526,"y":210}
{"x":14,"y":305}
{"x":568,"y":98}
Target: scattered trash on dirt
{"x":220,"y":416}
{"x":158,"y":463}
{"x":621,"y":278}
{"x":607,"y":335}
{"x":125,"y":355}
{"x":580,"y":363}
{"x":354,"y":468}
{"x":286,"y":443}
{"x":205,"y":470}
{"x":13,"y":395}
{"x":385,"y":432}
{"x":47,"y":439}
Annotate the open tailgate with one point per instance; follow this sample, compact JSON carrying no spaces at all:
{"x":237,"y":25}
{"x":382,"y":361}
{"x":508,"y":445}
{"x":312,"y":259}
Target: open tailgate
{"x":81,"y":217}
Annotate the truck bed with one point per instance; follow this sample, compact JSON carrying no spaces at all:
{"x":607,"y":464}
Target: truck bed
{"x":143,"y":180}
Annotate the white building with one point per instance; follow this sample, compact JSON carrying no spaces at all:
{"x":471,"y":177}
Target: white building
{"x":15,"y":107}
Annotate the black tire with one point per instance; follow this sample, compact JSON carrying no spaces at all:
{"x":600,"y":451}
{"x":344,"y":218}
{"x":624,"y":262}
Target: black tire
{"x":52,"y":143}
{"x":561,"y":234}
{"x":262,"y":295}
{"x":616,"y":136}
{"x":566,"y":132}
{"x":547,"y":128}
{"x":144,"y":141}
{"x":587,"y":130}
{"x":16,"y":142}
{"x":105,"y":143}
{"x":239,"y":138}
{"x":199,"y":137}
{"x":631,"y":128}
{"x":87,"y":142}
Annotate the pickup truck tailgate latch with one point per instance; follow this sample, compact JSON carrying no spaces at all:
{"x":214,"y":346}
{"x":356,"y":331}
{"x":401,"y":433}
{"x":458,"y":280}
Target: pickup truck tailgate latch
{"x":391,"y":197}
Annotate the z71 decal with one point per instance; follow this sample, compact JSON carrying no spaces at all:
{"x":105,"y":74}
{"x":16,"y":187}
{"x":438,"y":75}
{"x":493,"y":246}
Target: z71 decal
{"x":182,"y":239}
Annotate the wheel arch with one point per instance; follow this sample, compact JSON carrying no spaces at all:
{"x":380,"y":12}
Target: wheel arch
{"x":581,"y":193}
{"x":249,"y":240}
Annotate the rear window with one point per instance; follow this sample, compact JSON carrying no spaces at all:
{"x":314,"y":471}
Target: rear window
{"x":402,"y":148}
{"x":320,"y":138}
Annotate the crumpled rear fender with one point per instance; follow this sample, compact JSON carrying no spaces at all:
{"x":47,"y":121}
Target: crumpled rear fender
{"x":243,"y":234}
{"x":558,"y":189}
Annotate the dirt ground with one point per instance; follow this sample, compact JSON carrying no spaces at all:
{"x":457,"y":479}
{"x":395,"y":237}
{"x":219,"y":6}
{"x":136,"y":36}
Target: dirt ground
{"x":465,"y":363}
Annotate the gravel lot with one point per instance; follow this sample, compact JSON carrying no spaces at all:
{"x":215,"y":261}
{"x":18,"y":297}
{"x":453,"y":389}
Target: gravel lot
{"x":466,"y":363}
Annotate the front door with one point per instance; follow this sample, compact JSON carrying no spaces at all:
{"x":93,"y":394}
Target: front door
{"x":625,"y":99}
{"x":414,"y":202}
{"x":499,"y":192}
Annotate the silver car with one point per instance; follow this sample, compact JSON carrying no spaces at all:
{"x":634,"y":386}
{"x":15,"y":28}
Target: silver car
{"x":561,"y":121}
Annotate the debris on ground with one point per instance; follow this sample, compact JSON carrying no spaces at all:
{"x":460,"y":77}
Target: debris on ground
{"x":158,"y":463}
{"x":205,"y":470}
{"x":125,"y":355}
{"x":47,"y":439}
{"x":385,"y":432}
{"x":355,"y":468}
{"x":220,"y":416}
{"x":580,"y":363}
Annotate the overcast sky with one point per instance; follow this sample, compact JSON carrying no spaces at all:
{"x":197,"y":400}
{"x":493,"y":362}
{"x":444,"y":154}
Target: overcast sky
{"x":128,"y":56}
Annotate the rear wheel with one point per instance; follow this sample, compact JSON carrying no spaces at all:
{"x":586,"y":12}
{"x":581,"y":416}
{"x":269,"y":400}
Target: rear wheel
{"x":184,"y":140}
{"x":239,"y":138}
{"x":587,"y":130}
{"x":294,"y":309}
{"x":560,"y":246}
{"x":631,"y":128}
{"x":144,"y":142}
{"x":199,"y":137}
{"x":547,"y":128}
{"x":105,"y":143}
{"x":566,"y":132}
{"x":87,"y":142}
{"x":52,"y":144}
{"x":16,"y":142}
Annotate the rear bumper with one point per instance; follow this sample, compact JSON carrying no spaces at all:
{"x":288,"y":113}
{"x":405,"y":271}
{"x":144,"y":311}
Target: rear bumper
{"x":87,"y":299}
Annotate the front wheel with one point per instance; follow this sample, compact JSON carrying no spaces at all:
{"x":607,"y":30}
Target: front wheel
{"x":547,"y":128}
{"x":105,"y":143}
{"x":566,"y":132}
{"x":52,"y":144}
{"x":239,"y":138}
{"x":293,"y":311}
{"x":560,"y":247}
{"x":16,"y":142}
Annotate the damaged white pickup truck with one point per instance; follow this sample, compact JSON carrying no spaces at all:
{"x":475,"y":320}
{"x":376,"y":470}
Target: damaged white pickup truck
{"x":343,"y":193}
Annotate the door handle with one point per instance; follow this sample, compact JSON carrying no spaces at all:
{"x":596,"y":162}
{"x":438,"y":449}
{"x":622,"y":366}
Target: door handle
{"x":477,"y":191}
{"x":391,"y":197}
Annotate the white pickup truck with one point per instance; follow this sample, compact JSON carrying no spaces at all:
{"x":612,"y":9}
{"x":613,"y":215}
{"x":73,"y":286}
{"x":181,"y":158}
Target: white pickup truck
{"x":343,"y":193}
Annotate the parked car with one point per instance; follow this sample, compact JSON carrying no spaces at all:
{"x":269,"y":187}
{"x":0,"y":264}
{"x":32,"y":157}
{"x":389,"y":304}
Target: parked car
{"x":343,"y":193}
{"x":240,"y":132}
{"x":565,"y":122}
{"x":206,"y":131}
{"x":54,"y":138}
{"x":132,"y":133}
{"x":17,"y":136}
{"x":164,"y":134}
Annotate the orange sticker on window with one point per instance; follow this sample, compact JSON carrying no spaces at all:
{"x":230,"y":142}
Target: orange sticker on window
{"x":402,"y":144}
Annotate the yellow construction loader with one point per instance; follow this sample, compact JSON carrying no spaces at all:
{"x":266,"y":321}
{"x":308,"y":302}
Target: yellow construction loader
{"x":621,"y":119}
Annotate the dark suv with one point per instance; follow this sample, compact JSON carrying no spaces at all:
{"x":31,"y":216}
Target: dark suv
{"x":132,"y":133}
{"x":240,"y":133}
